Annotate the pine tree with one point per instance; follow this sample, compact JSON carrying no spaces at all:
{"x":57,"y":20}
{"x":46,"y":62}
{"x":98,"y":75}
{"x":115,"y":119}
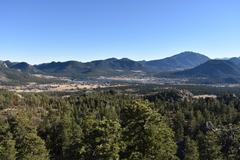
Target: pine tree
{"x":7,"y":148}
{"x":74,"y":150}
{"x":102,"y":139}
{"x":32,"y":147}
{"x":230,"y":141}
{"x":210,"y":148}
{"x":178,"y":125}
{"x":191,"y":150}
{"x":146,"y":134}
{"x":7,"y":143}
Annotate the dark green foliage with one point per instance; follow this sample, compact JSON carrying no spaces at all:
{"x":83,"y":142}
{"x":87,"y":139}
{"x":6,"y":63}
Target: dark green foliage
{"x":230,"y":141}
{"x":7,"y":143}
{"x":32,"y":147}
{"x":19,"y":140}
{"x":108,"y":125}
{"x":191,"y":151}
{"x":146,"y":133}
{"x":102,"y":139}
{"x":75,"y":149}
{"x":7,"y":149}
{"x":210,"y":148}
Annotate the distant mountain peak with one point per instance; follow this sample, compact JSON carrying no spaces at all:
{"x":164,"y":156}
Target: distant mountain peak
{"x":181,"y":61}
{"x":185,"y":64}
{"x":188,"y":53}
{"x":213,"y":70}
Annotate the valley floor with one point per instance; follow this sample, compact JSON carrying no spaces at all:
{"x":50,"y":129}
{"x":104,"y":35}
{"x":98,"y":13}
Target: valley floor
{"x":58,"y":87}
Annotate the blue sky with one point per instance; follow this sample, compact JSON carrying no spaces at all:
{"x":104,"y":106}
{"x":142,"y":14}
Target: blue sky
{"x":58,"y":30}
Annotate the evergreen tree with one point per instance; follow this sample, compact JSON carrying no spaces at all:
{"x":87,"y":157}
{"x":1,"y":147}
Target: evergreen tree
{"x":178,"y":126}
{"x":102,"y":139}
{"x":75,"y":149}
{"x":146,"y":134}
{"x":7,"y":148}
{"x":191,"y":150}
{"x":210,"y":147}
{"x":7,"y":143}
{"x":32,"y":147}
{"x":230,"y":141}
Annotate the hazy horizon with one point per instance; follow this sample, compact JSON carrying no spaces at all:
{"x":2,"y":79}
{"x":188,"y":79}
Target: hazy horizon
{"x":60,"y":30}
{"x":221,"y":58}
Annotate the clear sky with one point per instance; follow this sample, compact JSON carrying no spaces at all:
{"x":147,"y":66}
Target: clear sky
{"x":45,"y":30}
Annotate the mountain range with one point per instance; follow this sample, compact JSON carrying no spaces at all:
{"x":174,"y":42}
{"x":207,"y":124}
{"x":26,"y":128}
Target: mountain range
{"x":182,"y":61}
{"x":194,"y":66}
{"x":213,"y":71}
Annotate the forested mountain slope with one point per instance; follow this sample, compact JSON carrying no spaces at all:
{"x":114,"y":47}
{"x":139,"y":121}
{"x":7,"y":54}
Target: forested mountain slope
{"x":107,"y":125}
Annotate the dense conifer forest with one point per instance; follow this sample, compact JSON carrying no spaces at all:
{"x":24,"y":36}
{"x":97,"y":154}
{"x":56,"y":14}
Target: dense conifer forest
{"x":107,"y":125}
